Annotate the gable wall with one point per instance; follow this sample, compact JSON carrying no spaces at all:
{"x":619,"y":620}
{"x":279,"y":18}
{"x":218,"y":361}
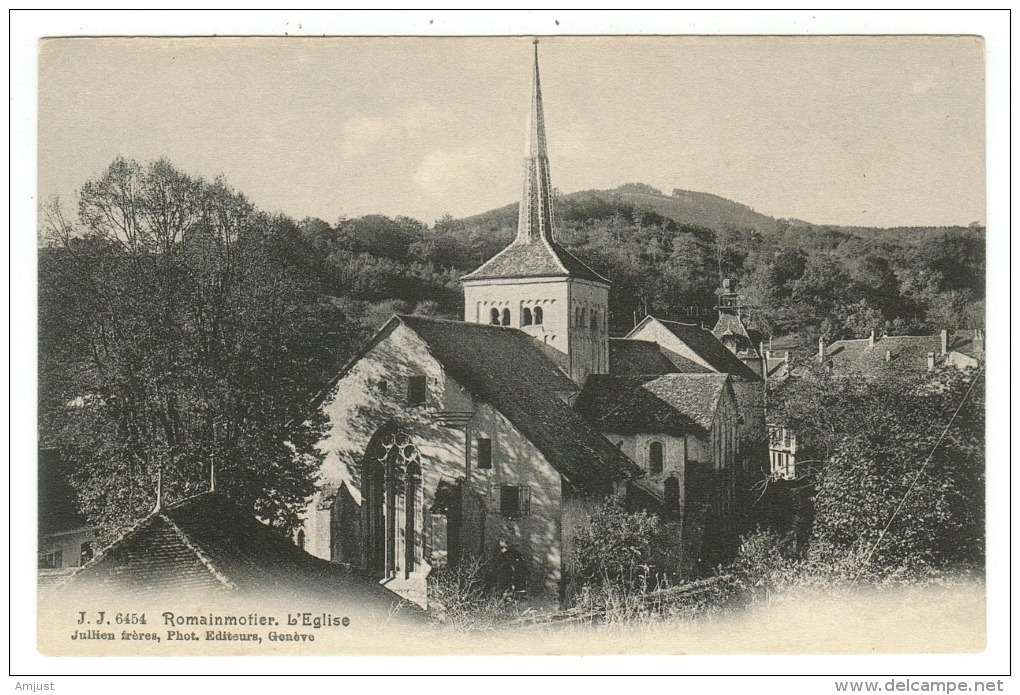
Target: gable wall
{"x":358,"y":406}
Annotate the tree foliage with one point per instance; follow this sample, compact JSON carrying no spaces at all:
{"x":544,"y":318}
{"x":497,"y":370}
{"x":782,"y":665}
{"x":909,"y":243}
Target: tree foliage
{"x":898,"y":468}
{"x":174,"y":334}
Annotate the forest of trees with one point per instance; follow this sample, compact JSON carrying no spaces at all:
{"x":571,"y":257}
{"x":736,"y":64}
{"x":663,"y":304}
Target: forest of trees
{"x":179,"y":324}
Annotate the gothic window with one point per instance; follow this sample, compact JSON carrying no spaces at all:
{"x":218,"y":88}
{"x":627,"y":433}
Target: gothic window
{"x":506,"y":317}
{"x":412,"y":545}
{"x":538,"y":316}
{"x":655,"y":458}
{"x":525,"y":316}
{"x":301,"y":538}
{"x":392,"y":508}
{"x":494,"y":317}
{"x":483,"y":454}
{"x":416,"y":390}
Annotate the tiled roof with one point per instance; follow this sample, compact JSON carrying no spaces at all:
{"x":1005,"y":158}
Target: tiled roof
{"x":208,"y":543}
{"x":507,"y":369}
{"x":629,"y":357}
{"x":670,"y":404}
{"x":535,"y":258}
{"x":708,"y":347}
{"x":906,"y":353}
{"x":970,"y":343}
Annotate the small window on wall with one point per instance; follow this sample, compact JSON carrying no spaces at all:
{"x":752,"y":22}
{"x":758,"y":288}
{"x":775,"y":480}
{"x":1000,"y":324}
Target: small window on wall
{"x":51,"y":560}
{"x":87,"y":553}
{"x":538,"y":316}
{"x":416,"y":390}
{"x":494,"y":317}
{"x":506,"y":317}
{"x":655,"y":458}
{"x":483,"y":453}
{"x":301,"y":538}
{"x":525,"y":316}
{"x":514,"y":501}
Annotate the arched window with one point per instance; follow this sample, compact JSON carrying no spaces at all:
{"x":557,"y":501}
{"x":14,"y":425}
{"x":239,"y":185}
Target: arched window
{"x":655,"y":458}
{"x":671,"y":494}
{"x":525,"y":316}
{"x":538,"y":316}
{"x":301,"y":538}
{"x":582,"y":321}
{"x":494,"y":317}
{"x":577,"y":316}
{"x":594,"y":318}
{"x":506,"y":317}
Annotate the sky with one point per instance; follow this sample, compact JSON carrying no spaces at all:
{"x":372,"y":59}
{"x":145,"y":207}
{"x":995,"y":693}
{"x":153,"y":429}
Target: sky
{"x":875,"y":131}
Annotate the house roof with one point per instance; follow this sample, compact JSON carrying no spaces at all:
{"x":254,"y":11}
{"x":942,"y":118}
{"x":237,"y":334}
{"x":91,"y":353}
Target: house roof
{"x":630,"y":357}
{"x":970,"y":343}
{"x":534,"y":258}
{"x":669,"y":404}
{"x":208,"y":543}
{"x":906,"y":353}
{"x":708,"y":347}
{"x":506,"y":368}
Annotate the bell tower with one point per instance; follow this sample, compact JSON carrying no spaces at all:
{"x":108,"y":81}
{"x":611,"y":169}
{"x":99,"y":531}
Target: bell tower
{"x":536,"y":285}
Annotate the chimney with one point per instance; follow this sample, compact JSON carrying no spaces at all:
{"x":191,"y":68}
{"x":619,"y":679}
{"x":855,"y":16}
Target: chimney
{"x":871,"y":339}
{"x":888,"y":355}
{"x":159,"y":491}
{"x":944,"y":337}
{"x":821,"y":349}
{"x":931,"y":361}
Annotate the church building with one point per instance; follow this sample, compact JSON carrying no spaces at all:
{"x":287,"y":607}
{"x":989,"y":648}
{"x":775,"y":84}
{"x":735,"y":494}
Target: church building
{"x":491,"y":439}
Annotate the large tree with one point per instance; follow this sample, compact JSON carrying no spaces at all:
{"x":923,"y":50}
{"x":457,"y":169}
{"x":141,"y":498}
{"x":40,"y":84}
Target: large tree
{"x":897,"y":464}
{"x":177,"y":334}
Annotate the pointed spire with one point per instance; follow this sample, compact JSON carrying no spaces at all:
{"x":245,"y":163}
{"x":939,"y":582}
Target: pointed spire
{"x":534,"y":221}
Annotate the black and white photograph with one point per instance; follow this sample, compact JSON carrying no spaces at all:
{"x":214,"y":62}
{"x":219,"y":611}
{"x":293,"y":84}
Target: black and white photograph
{"x":528,"y":344}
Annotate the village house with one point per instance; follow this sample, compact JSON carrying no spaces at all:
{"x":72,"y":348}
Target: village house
{"x":491,"y":439}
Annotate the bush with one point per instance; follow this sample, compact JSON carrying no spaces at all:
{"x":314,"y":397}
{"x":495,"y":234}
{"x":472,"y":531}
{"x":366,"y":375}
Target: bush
{"x":462,"y":597}
{"x":617,"y":548}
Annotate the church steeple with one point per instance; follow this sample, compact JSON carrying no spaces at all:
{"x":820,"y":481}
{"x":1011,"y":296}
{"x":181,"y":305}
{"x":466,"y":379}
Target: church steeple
{"x":534,"y":220}
{"x":534,"y":284}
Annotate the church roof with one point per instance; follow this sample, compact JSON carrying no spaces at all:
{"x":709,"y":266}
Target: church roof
{"x":708,"y":347}
{"x":208,"y":543}
{"x":631,"y":357}
{"x":540,"y":258}
{"x":668,"y":404}
{"x":506,"y":368}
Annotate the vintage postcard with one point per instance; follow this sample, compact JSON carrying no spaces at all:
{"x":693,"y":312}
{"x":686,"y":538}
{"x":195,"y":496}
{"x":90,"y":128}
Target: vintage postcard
{"x":511,"y":345}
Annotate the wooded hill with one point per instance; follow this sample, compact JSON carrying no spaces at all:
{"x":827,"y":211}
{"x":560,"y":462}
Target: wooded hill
{"x":666,"y":255}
